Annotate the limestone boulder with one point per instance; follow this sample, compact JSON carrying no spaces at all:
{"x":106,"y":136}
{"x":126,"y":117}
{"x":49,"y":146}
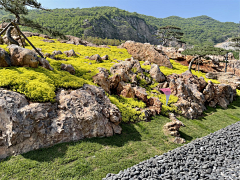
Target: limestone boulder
{"x":173,"y":126}
{"x":68,"y":67}
{"x":106,"y":57}
{"x":102,"y":80}
{"x":123,"y":74}
{"x":194,"y":94}
{"x":146,"y":63}
{"x":70,"y":53}
{"x":83,"y":113}
{"x":156,"y":74}
{"x":22,"y":57}
{"x":114,"y":83}
{"x":96,"y":57}
{"x":56,"y":52}
{"x":147,"y":52}
{"x":48,"y":40}
{"x":45,"y":64}
{"x":5,"y":60}
{"x":141,"y":94}
{"x":124,"y":65}
{"x":128,"y":91}
{"x":155,"y":104}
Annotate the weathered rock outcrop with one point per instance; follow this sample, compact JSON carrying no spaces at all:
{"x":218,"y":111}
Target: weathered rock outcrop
{"x":156,"y":74}
{"x":44,"y":63}
{"x":22,"y":57}
{"x":147,"y":52}
{"x":95,"y":57}
{"x":173,"y":127}
{"x":194,"y":94}
{"x":5,"y":60}
{"x":69,"y":68}
{"x":171,"y":52}
{"x":83,"y":113}
{"x":226,"y":78}
{"x":70,"y":53}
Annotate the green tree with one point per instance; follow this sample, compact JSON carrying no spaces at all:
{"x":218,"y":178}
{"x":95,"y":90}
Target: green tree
{"x":169,"y":33}
{"x":19,"y":8}
{"x":236,"y":44}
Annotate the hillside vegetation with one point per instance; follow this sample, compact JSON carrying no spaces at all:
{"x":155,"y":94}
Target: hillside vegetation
{"x":40,"y":84}
{"x":114,"y":23}
{"x":96,"y":157}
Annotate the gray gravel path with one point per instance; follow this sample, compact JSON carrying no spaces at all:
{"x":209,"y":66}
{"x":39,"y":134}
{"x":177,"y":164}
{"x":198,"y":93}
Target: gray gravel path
{"x":216,"y":156}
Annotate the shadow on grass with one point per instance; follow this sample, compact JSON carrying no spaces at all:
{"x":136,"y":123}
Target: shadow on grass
{"x":185,"y":136}
{"x":129,"y":133}
{"x":210,"y":110}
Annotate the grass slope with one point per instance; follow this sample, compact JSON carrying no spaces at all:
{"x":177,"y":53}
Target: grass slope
{"x":94,"y":158}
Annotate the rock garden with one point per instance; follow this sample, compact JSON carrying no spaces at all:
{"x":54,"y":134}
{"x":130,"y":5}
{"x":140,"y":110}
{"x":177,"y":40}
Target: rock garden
{"x":80,"y":90}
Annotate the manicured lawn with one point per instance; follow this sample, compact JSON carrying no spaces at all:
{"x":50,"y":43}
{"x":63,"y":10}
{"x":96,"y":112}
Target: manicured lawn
{"x":95,"y":158}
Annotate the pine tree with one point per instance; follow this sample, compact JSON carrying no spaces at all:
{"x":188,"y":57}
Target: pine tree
{"x":169,"y":33}
{"x":19,"y":8}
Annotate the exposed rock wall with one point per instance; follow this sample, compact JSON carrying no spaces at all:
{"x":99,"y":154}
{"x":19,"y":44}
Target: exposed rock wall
{"x":124,"y":28}
{"x":195,"y":94}
{"x":147,"y":52}
{"x":83,"y":113}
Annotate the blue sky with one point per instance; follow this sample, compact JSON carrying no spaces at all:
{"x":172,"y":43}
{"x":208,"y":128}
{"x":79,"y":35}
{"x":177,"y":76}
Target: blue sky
{"x":221,"y":10}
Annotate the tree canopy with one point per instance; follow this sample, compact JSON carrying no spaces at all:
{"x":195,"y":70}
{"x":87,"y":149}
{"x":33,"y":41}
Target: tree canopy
{"x":169,"y":33}
{"x":19,"y":8}
{"x":208,"y":50}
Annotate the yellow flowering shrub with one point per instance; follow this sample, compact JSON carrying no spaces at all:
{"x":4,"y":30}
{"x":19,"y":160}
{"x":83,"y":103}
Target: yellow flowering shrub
{"x":129,"y":114}
{"x":179,"y":69}
{"x":40,"y":84}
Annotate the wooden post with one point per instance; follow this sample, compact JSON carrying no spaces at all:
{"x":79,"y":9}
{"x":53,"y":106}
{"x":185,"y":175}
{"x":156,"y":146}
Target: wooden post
{"x":190,"y":64}
{"x":27,"y":40}
{"x":5,"y":29}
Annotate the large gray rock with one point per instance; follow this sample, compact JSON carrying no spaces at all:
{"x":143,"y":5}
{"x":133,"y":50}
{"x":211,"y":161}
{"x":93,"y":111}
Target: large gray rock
{"x":45,"y":64}
{"x":70,"y":53}
{"x":5,"y":60}
{"x":22,"y":57}
{"x":147,"y":52}
{"x":194,"y":94}
{"x":68,"y":67}
{"x":83,"y":113}
{"x":156,"y":74}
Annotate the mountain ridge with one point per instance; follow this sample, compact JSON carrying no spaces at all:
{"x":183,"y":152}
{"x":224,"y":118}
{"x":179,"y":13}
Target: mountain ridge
{"x":115,"y":23}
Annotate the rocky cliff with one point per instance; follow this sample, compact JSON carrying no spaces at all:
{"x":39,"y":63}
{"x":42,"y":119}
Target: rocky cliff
{"x":124,"y":28}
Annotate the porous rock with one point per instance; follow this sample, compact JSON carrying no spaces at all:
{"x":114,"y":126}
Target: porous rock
{"x":128,"y":91}
{"x":68,"y":67}
{"x":106,"y":57}
{"x":5,"y":60}
{"x":22,"y":57}
{"x":141,"y":94}
{"x":147,"y":52}
{"x":45,"y":64}
{"x":96,"y":57}
{"x":83,"y":113}
{"x":102,"y":80}
{"x":70,"y":53}
{"x":194,"y":94}
{"x":156,"y":74}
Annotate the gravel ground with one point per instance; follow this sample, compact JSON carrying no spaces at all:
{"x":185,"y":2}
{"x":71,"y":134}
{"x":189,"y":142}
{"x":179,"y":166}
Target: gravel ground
{"x":216,"y":156}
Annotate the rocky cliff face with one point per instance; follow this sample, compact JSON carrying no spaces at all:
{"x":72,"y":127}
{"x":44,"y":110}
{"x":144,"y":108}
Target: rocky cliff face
{"x":124,"y":28}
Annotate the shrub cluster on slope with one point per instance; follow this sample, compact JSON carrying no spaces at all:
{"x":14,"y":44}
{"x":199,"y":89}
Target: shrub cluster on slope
{"x":39,"y":84}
